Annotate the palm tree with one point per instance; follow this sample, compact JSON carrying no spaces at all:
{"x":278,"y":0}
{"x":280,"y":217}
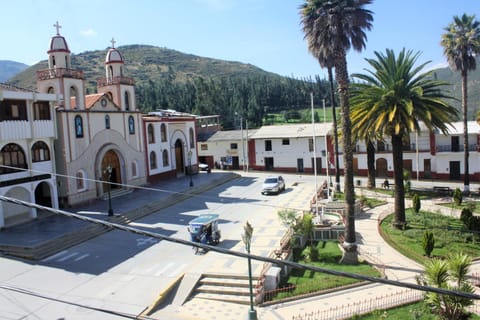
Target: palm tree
{"x":326,"y":61}
{"x":450,"y":274}
{"x":461,"y":43}
{"x":369,"y":139}
{"x":333,"y":27}
{"x":392,"y":100}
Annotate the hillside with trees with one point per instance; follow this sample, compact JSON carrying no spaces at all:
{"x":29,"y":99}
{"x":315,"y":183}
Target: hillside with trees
{"x":169,"y":79}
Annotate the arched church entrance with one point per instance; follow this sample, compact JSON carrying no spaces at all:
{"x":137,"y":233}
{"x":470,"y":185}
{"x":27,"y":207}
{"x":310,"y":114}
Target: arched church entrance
{"x":179,"y":157}
{"x":111,"y":170}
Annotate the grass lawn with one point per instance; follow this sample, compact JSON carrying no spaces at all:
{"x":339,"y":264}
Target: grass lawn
{"x":423,"y":194}
{"x":409,"y":311}
{"x":465,"y":204}
{"x":447,"y":232}
{"x":329,"y":256}
{"x":367,"y":201}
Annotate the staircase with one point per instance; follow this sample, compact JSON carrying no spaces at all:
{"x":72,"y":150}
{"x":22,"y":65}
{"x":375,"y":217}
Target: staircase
{"x":223,"y":287}
{"x":115,"y":193}
{"x":55,"y":245}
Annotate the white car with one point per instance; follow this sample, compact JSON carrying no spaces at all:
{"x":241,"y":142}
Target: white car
{"x":273,"y":184}
{"x":203,"y":167}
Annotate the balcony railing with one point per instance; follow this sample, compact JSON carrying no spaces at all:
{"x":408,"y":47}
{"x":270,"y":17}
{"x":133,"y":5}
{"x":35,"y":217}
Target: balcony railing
{"x":54,"y":73}
{"x":455,"y":148}
{"x":115,"y":80}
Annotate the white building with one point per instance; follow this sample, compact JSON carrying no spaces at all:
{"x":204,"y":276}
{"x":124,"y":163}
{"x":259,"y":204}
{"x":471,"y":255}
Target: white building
{"x":170,"y":144}
{"x":293,"y":148}
{"x":27,"y":164}
{"x":226,"y":149}
{"x":427,"y":155}
{"x":99,"y":135}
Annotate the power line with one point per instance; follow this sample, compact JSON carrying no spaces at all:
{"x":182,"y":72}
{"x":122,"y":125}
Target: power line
{"x":245,"y":255}
{"x":42,"y":296}
{"x":192,"y":195}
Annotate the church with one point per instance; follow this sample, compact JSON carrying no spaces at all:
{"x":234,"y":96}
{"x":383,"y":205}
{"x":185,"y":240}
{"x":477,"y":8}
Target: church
{"x":99,"y":135}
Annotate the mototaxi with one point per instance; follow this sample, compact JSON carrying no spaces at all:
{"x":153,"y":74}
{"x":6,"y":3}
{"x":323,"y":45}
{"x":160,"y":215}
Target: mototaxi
{"x":204,"y":229}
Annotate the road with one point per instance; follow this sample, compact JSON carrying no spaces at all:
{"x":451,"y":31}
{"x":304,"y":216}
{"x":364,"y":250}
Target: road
{"x":125,"y":272}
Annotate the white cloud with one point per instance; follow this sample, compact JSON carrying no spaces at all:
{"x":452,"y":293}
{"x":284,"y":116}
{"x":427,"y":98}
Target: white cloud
{"x":88,"y":33}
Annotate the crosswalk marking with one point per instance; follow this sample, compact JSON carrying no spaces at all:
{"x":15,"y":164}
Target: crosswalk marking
{"x":83,"y":256}
{"x":71,"y":255}
{"x":55,"y":256}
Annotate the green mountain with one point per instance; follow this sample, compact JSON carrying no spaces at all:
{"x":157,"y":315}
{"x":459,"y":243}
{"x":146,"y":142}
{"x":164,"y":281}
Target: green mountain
{"x":9,"y":69}
{"x":146,"y":64}
{"x":473,"y":87}
{"x":167,"y":78}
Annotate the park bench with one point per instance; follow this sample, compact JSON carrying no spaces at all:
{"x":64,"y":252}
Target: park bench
{"x":445,"y":190}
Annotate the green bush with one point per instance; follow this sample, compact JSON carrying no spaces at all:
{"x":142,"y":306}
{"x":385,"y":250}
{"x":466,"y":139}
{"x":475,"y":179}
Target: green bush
{"x":416,"y":203}
{"x":465,"y":216}
{"x":457,"y":196}
{"x":428,"y":243}
{"x":310,"y":253}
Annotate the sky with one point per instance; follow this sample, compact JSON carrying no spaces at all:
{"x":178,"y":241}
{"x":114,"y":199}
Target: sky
{"x":265,"y":33}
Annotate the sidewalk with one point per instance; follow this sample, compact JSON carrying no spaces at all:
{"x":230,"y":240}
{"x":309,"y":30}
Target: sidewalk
{"x":375,"y":250}
{"x":49,"y":227}
{"x":371,"y":246}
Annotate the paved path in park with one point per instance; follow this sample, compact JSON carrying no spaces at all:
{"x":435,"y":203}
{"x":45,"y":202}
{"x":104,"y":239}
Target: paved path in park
{"x":338,"y":304}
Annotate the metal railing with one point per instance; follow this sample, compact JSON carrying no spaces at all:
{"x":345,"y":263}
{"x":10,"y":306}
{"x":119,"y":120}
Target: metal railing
{"x":53,"y":73}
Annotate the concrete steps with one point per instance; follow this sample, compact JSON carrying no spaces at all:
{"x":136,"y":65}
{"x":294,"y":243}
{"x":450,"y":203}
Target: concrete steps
{"x":56,"y":244}
{"x":224,"y":287}
{"x":115,"y":193}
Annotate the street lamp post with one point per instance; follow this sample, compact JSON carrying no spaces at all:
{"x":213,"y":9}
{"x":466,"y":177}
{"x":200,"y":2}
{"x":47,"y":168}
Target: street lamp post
{"x":108,"y":171}
{"x":190,"y":167}
{"x":244,"y":165}
{"x":247,"y":239}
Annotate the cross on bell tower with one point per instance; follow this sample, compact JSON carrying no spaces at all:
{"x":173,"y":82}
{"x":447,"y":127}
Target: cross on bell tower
{"x":113,"y":43}
{"x":57,"y":26}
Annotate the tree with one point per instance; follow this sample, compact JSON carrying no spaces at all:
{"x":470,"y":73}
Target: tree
{"x":331,"y":28}
{"x":450,"y":274}
{"x":416,"y":203}
{"x":369,"y":139}
{"x":392,"y":100}
{"x":428,"y":243}
{"x":461,"y":43}
{"x":457,"y":196}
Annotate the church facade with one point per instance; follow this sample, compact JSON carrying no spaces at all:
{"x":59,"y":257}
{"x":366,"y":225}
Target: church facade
{"x":100,"y":136}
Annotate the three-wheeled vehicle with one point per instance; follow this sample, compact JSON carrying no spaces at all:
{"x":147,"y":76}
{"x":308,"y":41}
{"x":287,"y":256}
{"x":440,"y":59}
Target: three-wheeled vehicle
{"x":204,"y":229}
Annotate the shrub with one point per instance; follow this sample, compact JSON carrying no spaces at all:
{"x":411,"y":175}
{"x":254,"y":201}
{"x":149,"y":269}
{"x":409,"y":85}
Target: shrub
{"x":474,"y":223}
{"x":428,"y":243}
{"x":457,"y":196}
{"x":416,"y":203}
{"x":288,"y":217}
{"x":310,"y":253}
{"x":465,"y":216}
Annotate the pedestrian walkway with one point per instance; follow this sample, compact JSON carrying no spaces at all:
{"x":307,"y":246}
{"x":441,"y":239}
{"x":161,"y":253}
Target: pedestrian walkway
{"x":140,"y":202}
{"x":372,"y":248}
{"x":267,"y":232}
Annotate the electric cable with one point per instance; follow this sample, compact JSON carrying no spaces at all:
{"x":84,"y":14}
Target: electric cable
{"x":245,"y":255}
